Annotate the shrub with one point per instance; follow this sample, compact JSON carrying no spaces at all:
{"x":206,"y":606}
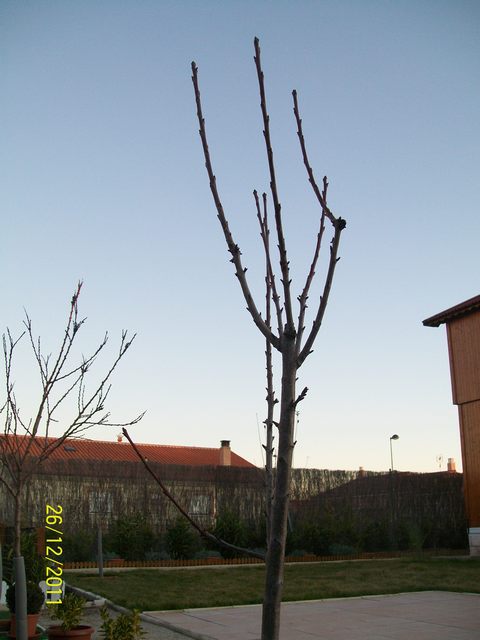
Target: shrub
{"x":445,"y":535}
{"x":314,"y":537}
{"x":130,"y":537}
{"x":230,"y":528}
{"x":255,"y":535}
{"x":80,"y":547}
{"x":69,"y":611}
{"x":375,"y":536}
{"x":35,"y":598}
{"x":126,"y":626}
{"x":34,"y":563}
{"x":181,"y":542}
{"x":409,"y":536}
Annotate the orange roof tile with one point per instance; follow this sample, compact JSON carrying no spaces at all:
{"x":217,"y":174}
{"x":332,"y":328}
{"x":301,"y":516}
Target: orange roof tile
{"x":84,"y":449}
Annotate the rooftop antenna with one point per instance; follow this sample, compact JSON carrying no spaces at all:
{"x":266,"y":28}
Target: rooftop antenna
{"x":439,"y":460}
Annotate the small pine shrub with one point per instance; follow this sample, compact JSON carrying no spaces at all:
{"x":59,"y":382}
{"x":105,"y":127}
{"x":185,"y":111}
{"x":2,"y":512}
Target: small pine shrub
{"x":314,"y":537}
{"x":376,"y":536}
{"x":130,"y":537}
{"x":230,"y":528}
{"x":181,"y":542}
{"x":80,"y":546}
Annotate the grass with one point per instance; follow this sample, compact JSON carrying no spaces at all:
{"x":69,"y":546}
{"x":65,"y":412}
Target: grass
{"x":161,"y":589}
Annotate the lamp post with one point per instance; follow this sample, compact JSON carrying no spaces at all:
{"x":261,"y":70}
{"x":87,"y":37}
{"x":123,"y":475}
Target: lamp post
{"x":394,"y":437}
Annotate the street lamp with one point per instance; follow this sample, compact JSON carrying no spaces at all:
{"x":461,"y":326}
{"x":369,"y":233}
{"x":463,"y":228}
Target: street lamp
{"x":394,"y":437}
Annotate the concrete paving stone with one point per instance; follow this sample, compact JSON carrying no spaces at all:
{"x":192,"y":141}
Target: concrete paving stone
{"x":413,"y":616}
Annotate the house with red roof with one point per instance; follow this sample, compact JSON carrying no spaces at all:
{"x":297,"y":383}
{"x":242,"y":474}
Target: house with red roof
{"x":122,"y":451}
{"x":97,"y":482}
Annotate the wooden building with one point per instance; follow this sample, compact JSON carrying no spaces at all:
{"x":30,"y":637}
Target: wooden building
{"x":463,"y":334}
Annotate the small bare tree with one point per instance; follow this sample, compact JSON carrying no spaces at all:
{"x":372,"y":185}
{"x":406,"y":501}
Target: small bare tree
{"x":290,"y":339}
{"x":22,"y":451}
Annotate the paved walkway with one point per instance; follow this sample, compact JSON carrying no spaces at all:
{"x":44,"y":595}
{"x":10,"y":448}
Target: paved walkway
{"x":428,"y":615}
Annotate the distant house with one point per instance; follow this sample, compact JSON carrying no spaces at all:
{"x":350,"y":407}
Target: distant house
{"x":97,"y":482}
{"x":463,"y":334}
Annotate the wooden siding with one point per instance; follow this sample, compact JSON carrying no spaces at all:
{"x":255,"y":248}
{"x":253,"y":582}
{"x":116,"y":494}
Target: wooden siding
{"x":470,"y":434}
{"x":464,"y":350}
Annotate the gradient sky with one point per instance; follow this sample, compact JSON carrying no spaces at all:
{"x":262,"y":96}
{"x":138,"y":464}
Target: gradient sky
{"x":102,"y":179}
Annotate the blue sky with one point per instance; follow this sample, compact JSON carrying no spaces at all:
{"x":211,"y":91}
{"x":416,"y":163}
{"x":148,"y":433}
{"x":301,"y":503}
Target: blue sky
{"x":103,"y":180}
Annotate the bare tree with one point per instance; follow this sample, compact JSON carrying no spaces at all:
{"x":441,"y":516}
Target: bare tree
{"x":22,"y":451}
{"x":290,"y":339}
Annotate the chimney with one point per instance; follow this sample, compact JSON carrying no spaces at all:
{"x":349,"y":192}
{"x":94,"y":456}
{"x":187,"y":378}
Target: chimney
{"x":119,"y":437}
{"x":225,"y":453}
{"x":451,"y":466}
{"x":361,"y":472}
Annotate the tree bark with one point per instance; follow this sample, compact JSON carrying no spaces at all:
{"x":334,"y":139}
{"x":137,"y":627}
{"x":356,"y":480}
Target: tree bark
{"x":19,"y":569}
{"x":18,"y":520}
{"x":278,"y":535}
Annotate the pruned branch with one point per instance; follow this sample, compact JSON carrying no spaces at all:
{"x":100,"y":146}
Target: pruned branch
{"x":338,"y":225}
{"x":233,"y":247}
{"x":205,"y":534}
{"x":311,"y":178}
{"x":307,"y":348}
{"x":270,"y":275}
{"x":300,"y":397}
{"x":270,"y":293}
{"x":284,"y":264}
{"x":311,"y":274}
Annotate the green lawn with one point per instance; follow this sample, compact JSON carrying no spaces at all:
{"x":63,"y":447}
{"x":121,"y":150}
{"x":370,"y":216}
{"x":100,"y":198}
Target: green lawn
{"x":160,"y":589}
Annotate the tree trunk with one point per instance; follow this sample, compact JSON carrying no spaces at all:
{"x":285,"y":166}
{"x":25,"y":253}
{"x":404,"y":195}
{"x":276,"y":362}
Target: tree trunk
{"x":20,"y":598}
{"x":276,"y":548}
{"x":19,"y":570}
{"x":18,"y":521}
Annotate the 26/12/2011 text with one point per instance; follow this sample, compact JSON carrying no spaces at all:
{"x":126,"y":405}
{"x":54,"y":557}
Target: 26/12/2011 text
{"x":53,"y":554}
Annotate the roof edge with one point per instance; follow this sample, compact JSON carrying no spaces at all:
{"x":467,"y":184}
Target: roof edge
{"x":452,"y":313}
